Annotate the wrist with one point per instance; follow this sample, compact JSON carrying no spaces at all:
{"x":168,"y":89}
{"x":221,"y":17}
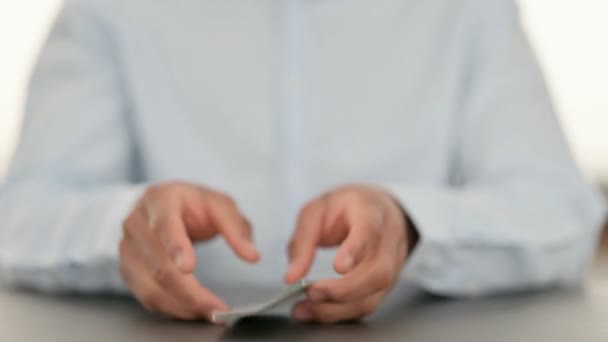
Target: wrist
{"x":411,"y":233}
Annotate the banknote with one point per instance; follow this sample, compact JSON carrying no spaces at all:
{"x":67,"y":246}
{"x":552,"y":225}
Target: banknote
{"x":290,"y":292}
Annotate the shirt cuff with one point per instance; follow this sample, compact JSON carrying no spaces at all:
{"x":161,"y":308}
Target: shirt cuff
{"x":111,"y":235}
{"x":425,"y":207}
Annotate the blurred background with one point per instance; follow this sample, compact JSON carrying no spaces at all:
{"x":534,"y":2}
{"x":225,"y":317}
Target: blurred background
{"x":570,"y":38}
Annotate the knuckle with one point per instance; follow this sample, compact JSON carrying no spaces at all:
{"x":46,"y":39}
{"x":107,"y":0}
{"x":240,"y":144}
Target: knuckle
{"x":368,"y":308}
{"x":291,"y":247}
{"x":339,"y":294}
{"x":122,"y":248}
{"x":309,"y":207}
{"x":323,"y":318}
{"x":163,"y":220}
{"x":130,"y":230}
{"x":246,"y":227}
{"x":155,"y":190}
{"x":330,"y":318}
{"x":344,"y":189}
{"x":303,"y":214}
{"x":353,"y":196}
{"x":187,"y":315}
{"x":225,"y":200}
{"x":372,"y":227}
{"x":124,"y":273}
{"x":370,"y":222}
{"x":230,"y":202}
{"x":373,"y":224}
{"x":246,"y":223}
{"x":128,"y":225}
{"x":203,"y":306}
{"x":162,"y":276}
{"x":128,"y":221}
{"x":325,"y":197}
{"x":308,"y":211}
{"x":190,"y":316}
{"x":150,"y":299}
{"x":170,"y":247}
{"x":162,"y":190}
{"x":319,"y":314}
{"x":383,"y":275}
{"x":157,"y":227}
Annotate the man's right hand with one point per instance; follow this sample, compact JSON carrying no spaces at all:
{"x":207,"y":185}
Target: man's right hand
{"x":157,"y":257}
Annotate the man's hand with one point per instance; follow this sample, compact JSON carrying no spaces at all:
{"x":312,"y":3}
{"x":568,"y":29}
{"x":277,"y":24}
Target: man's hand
{"x":156,"y":252}
{"x":372,"y":232}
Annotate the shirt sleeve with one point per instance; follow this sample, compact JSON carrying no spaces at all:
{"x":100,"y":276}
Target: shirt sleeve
{"x":72,"y":180}
{"x":516,"y":213}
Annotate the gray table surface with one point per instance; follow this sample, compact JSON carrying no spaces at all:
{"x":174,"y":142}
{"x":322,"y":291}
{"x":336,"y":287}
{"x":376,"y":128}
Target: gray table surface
{"x":408,"y":315}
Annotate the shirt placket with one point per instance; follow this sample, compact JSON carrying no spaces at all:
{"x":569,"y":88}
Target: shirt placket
{"x":293,"y":117}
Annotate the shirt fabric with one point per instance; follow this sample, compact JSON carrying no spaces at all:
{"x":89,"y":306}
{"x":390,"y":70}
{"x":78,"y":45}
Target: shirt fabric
{"x":276,"y":101}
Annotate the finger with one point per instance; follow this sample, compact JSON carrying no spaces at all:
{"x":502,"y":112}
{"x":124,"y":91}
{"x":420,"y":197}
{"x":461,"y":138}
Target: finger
{"x":305,"y":240}
{"x":183,"y":287}
{"x":147,"y":292}
{"x":187,"y":290}
{"x":366,"y":279}
{"x":235,"y":229}
{"x":165,"y":220}
{"x":155,"y":300}
{"x":364,"y":233}
{"x":334,"y":313}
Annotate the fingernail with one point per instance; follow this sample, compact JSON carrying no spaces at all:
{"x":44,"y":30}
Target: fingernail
{"x":317,"y":296}
{"x":302,"y":314}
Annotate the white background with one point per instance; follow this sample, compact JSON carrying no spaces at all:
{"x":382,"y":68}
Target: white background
{"x":570,"y":37}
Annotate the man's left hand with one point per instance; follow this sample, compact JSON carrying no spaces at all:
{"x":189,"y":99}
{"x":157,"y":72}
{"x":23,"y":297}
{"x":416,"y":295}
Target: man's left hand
{"x":374,"y":239}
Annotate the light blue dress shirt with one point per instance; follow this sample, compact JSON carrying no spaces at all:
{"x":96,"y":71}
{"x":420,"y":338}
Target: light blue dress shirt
{"x":275,"y":101}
